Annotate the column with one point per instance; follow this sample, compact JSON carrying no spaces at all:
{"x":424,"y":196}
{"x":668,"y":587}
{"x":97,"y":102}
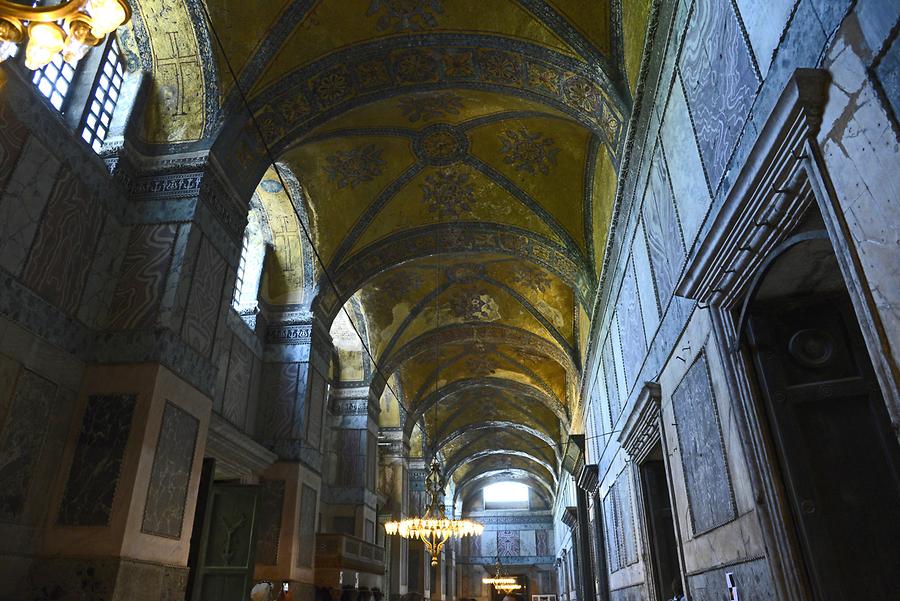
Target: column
{"x":393,"y":456}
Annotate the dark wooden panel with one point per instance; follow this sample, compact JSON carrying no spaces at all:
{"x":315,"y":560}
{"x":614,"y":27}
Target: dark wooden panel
{"x":709,"y":490}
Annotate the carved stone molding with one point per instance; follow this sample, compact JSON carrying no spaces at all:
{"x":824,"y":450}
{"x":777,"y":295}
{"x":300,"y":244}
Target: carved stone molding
{"x":768,"y":199}
{"x":570,"y":517}
{"x":237,"y":455}
{"x":641,"y":430}
{"x":588,"y":478}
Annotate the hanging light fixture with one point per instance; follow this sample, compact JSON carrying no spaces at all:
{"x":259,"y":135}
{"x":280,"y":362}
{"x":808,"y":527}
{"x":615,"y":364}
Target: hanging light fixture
{"x":506,"y":584}
{"x":84,"y":24}
{"x":434,"y":528}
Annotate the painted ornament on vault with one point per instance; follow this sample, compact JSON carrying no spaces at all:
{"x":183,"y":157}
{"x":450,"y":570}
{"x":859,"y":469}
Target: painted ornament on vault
{"x":427,"y":108}
{"x":406,"y":15}
{"x":476,"y":305}
{"x":355,"y":166}
{"x":529,"y":152}
{"x":448,"y":193}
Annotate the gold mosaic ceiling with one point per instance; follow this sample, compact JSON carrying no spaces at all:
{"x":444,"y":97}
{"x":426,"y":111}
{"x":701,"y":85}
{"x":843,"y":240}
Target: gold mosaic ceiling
{"x":458,"y":163}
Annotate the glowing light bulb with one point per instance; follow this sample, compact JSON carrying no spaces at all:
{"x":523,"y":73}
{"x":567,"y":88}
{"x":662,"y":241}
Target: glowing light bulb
{"x":7,"y":49}
{"x":107,"y":15}
{"x":45,"y":40}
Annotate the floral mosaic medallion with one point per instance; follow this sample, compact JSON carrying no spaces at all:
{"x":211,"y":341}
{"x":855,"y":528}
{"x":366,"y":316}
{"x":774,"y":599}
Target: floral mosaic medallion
{"x":355,"y":166}
{"x":427,"y":108}
{"x":406,"y":15}
{"x":448,"y":194}
{"x":528,"y":152}
{"x":440,"y":144}
{"x":474,"y":305}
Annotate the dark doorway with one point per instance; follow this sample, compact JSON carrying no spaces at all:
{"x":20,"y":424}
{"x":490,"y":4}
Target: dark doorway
{"x":839,"y":458}
{"x":660,"y":525}
{"x":223,"y":540}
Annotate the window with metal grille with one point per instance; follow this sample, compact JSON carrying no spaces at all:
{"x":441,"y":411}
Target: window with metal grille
{"x":104,"y":97}
{"x":242,"y":266}
{"x":54,"y":81}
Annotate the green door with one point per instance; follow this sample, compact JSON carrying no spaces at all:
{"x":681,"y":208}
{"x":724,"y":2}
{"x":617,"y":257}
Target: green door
{"x":224,"y":568}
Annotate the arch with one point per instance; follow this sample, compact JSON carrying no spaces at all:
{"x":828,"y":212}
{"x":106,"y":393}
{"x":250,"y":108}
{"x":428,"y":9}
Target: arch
{"x":456,"y":462}
{"x":496,"y":475}
{"x":533,"y":483}
{"x":517,"y":388}
{"x":456,"y":239}
{"x":461,"y":433}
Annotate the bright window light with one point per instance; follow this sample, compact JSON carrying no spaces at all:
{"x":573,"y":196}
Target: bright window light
{"x":506,"y":493}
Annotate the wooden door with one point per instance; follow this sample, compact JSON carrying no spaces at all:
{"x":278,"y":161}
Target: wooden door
{"x":839,"y":457}
{"x":224,"y":569}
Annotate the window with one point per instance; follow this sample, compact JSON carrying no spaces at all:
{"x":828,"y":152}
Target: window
{"x":54,"y":81}
{"x":242,"y":266}
{"x":104,"y":97}
{"x":506,"y":495}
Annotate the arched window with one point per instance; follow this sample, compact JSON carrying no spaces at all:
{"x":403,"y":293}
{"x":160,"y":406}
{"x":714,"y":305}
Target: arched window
{"x":253,"y":258}
{"x":506,"y":495}
{"x":85,"y":92}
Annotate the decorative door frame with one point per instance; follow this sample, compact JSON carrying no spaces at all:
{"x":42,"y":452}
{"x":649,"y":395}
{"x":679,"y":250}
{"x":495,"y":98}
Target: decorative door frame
{"x":782,"y":178}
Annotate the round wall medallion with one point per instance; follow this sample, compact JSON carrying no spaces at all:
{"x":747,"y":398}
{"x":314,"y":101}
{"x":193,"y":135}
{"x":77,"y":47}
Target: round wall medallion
{"x":811,"y":347}
{"x":440,"y":144}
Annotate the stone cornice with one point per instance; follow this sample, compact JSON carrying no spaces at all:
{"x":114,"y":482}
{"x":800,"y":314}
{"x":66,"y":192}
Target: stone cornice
{"x":767,"y":200}
{"x":236,"y":454}
{"x":641,"y":430}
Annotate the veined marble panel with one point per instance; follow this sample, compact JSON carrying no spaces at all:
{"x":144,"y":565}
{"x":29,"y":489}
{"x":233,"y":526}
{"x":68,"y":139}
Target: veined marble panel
{"x":21,"y":439}
{"x":306,"y":526}
{"x":271,"y":498}
{"x":171,"y":473}
{"x":94,"y":475}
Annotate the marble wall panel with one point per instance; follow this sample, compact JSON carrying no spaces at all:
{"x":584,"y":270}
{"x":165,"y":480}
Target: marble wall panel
{"x":489,"y":546}
{"x":646,"y":288}
{"x":64,"y":246}
{"x":764,"y":21}
{"x":307,"y":526}
{"x":527,"y":543}
{"x":612,"y":387}
{"x":145,"y":268}
{"x":543,"y":540}
{"x":720,"y":82}
{"x":752,"y":578}
{"x":662,"y":231}
{"x":619,"y":528}
{"x":12,"y":139}
{"x":103,"y":274}
{"x":240,"y":365}
{"x":629,"y":593}
{"x":679,"y":149}
{"x":631,"y":324}
{"x":94,"y":475}
{"x":708,"y":482}
{"x":508,"y":543}
{"x":271,"y":499}
{"x":201,"y":316}
{"x":23,"y":202}
{"x":22,"y":436}
{"x":171,"y":473}
{"x":279,"y":397}
{"x":888,"y":71}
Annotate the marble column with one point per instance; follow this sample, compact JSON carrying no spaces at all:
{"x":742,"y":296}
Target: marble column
{"x":122,"y":508}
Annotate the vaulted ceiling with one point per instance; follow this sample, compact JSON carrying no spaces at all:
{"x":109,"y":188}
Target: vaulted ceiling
{"x":457,"y":164}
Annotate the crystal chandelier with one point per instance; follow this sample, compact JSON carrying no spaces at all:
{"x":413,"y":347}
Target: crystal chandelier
{"x":434,"y":528}
{"x":84,"y":24}
{"x":506,"y":584}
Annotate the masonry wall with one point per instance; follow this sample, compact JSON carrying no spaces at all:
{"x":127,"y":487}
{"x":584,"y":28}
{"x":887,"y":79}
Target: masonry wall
{"x":716,"y":71}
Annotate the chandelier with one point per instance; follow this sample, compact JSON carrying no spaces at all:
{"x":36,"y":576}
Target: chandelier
{"x":71,"y":28}
{"x":506,"y":584}
{"x":434,"y":528}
